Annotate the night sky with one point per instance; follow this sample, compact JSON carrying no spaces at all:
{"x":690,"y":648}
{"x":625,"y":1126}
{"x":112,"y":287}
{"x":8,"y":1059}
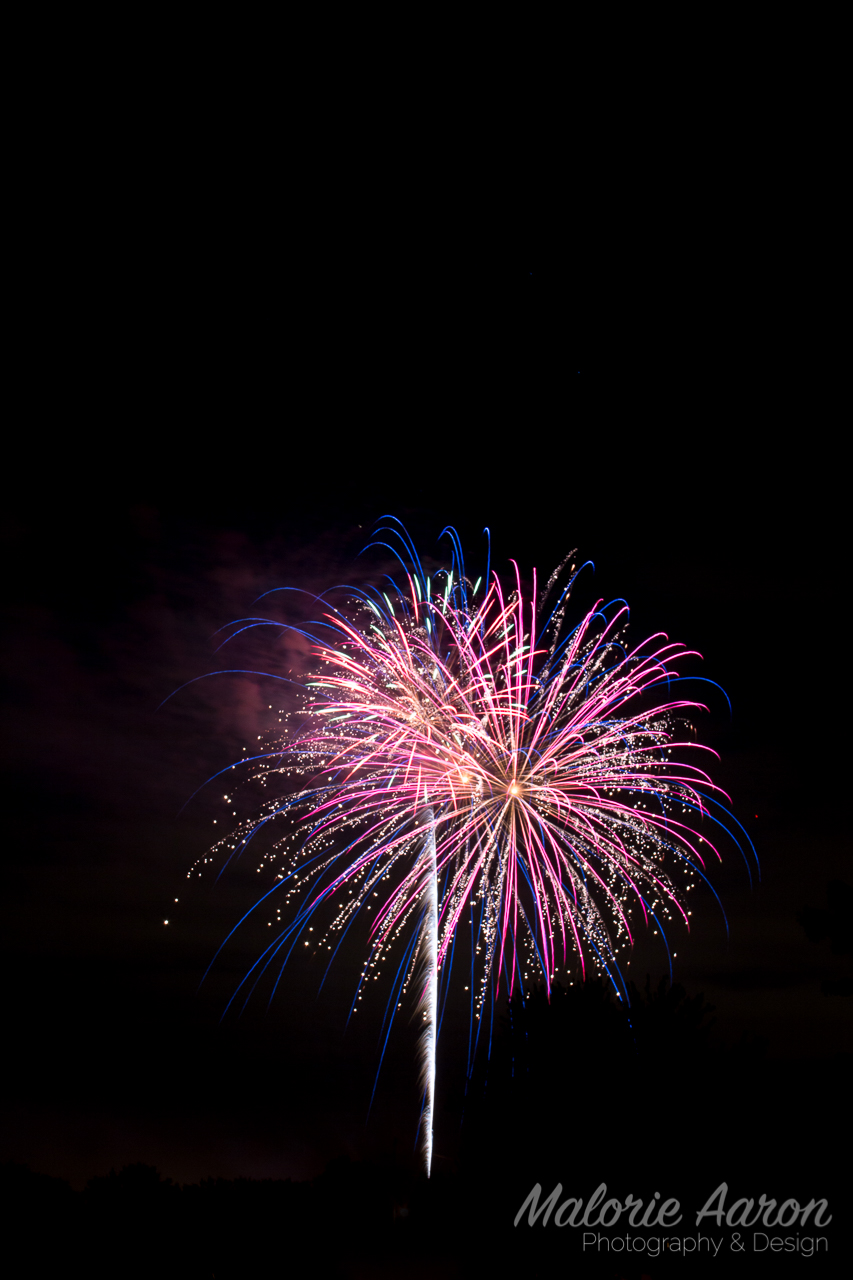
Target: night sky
{"x":213,"y":452}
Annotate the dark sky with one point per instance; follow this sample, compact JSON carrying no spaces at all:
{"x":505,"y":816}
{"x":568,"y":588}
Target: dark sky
{"x":199,"y":457}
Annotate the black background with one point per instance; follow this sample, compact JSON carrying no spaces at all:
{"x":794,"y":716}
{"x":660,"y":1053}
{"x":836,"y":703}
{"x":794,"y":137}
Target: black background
{"x":202,"y":425}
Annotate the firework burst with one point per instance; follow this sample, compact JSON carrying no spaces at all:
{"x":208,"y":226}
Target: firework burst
{"x":463,"y":757}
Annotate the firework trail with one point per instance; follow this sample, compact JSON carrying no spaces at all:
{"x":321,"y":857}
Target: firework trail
{"x":429,"y":999}
{"x":458,"y":768}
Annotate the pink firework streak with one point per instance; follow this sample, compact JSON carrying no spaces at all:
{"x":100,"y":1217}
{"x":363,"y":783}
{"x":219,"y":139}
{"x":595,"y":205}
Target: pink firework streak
{"x":456,"y":765}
